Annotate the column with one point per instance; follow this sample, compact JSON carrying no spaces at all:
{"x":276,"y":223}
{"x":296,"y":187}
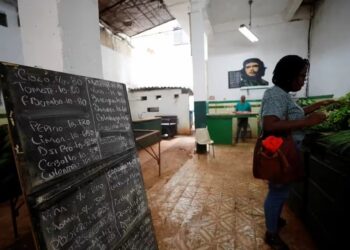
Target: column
{"x":61,"y":35}
{"x":199,"y":57}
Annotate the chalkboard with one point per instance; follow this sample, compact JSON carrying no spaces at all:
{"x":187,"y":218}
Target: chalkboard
{"x":234,"y":78}
{"x":99,"y":211}
{"x":65,"y":122}
{"x":76,"y":156}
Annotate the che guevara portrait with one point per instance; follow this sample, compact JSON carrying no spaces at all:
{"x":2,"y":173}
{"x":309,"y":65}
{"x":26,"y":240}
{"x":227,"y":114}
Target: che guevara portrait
{"x":250,"y":75}
{"x":252,"y":72}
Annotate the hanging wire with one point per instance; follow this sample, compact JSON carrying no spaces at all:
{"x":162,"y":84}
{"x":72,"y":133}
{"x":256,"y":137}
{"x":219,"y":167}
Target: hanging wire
{"x":312,"y":9}
{"x":250,"y":13}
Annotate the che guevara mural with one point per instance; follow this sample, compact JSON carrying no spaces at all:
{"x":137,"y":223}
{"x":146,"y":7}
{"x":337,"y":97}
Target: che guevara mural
{"x":250,"y":75}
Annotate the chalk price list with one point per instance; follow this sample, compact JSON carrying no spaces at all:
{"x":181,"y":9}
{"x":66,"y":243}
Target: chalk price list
{"x":98,"y":213}
{"x":83,"y":220}
{"x":63,"y":147}
{"x":48,"y":91}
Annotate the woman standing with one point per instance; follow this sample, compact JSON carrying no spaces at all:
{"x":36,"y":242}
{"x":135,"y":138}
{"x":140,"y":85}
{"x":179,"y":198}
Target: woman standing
{"x":280,"y":114}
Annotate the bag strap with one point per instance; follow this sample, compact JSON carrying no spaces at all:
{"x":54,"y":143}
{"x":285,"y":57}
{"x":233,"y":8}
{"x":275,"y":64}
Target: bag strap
{"x":284,"y":135}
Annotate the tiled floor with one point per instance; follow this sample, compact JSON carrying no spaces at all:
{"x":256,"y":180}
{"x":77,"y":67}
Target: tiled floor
{"x":199,"y":202}
{"x":215,"y":203}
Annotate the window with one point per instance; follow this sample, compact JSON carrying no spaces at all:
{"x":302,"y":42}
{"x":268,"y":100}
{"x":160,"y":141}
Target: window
{"x":179,"y":37}
{"x":176,"y":96}
{"x":143,"y":98}
{"x":158,"y":97}
{"x":153,"y":109}
{"x":3,"y":19}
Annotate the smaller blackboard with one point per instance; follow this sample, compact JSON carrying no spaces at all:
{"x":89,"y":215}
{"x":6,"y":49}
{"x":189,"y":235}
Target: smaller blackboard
{"x":234,"y":78}
{"x":101,"y":210}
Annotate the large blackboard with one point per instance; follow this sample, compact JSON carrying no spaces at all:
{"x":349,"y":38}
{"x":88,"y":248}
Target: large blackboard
{"x":76,"y":157}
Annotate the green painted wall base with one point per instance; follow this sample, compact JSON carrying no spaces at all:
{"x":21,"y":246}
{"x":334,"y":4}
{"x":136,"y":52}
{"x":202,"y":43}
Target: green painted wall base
{"x":200,"y":121}
{"x":200,"y":112}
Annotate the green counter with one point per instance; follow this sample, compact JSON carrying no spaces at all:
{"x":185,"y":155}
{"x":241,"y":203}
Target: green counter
{"x":3,"y":121}
{"x":222,"y":126}
{"x":149,"y":124}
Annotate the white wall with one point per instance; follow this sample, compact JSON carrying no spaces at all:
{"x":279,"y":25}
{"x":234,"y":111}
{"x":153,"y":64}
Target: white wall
{"x":41,"y":37}
{"x":330,"y":50}
{"x":180,"y":9}
{"x":116,"y":66}
{"x":168,"y":105}
{"x":10,"y":37}
{"x":159,"y":61}
{"x":80,"y":32}
{"x":228,"y":50}
{"x":65,"y":37}
{"x":116,"y":59}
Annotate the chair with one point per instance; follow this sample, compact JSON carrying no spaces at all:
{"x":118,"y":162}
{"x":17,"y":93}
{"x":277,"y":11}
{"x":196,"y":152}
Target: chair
{"x":203,"y":138}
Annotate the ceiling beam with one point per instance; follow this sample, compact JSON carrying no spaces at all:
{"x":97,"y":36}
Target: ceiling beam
{"x":291,"y":9}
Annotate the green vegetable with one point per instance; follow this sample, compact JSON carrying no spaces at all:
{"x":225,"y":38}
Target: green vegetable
{"x":303,"y":102}
{"x":338,"y":142}
{"x":338,"y":116}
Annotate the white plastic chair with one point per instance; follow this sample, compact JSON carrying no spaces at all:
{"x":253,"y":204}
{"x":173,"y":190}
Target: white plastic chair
{"x":203,"y":138}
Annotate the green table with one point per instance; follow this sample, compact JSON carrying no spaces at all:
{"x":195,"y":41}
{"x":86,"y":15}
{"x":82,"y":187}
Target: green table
{"x":220,"y":126}
{"x":149,"y":124}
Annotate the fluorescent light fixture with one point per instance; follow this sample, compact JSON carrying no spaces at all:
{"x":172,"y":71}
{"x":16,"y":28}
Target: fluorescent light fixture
{"x":247,"y":33}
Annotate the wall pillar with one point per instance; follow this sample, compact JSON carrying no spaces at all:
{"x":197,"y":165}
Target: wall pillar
{"x":61,"y":35}
{"x":199,"y":57}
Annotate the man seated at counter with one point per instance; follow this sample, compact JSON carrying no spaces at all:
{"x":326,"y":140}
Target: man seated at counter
{"x":242,"y":122}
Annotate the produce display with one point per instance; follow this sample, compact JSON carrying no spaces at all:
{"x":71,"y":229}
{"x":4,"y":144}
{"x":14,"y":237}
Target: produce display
{"x":338,"y":116}
{"x":303,"y":102}
{"x":337,"y":142}
{"x":334,"y":132}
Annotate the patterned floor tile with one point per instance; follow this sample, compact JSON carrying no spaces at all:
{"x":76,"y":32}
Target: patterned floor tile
{"x":216,"y":204}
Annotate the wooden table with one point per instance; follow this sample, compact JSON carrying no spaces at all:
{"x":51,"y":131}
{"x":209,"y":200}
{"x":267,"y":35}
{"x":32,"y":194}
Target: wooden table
{"x":145,"y":139}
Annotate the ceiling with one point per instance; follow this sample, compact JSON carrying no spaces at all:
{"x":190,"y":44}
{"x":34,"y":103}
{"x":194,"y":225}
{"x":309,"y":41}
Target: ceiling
{"x":132,"y":17}
{"x":227,"y":15}
{"x":223,"y":11}
{"x":238,"y":10}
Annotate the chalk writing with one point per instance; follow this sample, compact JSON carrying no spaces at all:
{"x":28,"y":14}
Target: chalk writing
{"x":130,"y":198}
{"x":62,"y":116}
{"x":82,"y":218}
{"x":82,"y":179}
{"x":99,"y":212}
